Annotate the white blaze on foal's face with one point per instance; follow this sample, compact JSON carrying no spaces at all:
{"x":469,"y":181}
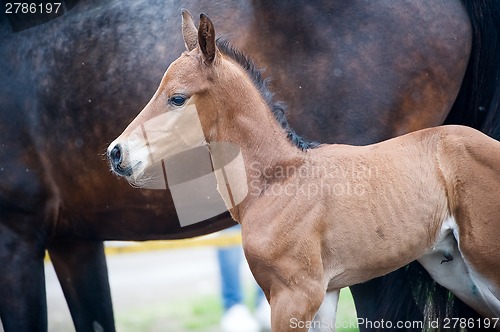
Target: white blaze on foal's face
{"x":164,"y":136}
{"x":167,"y":125}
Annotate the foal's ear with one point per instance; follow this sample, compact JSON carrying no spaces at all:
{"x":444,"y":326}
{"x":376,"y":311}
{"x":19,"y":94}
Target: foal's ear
{"x":206,"y":39}
{"x":189,"y":31}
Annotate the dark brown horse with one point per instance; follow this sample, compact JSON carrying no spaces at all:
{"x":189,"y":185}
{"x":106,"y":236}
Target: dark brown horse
{"x":68,"y":86}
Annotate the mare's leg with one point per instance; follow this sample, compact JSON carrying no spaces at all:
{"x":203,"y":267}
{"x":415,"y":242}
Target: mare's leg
{"x":324,"y":321}
{"x":23,"y":306}
{"x":82,"y":272}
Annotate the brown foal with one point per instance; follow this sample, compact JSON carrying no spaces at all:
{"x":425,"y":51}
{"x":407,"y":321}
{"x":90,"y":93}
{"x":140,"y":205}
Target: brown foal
{"x":316,"y":220}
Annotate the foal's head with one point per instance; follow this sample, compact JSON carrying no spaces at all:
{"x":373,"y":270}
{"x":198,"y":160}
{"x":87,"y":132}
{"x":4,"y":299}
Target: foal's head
{"x":195,"y":101}
{"x":211,"y":93}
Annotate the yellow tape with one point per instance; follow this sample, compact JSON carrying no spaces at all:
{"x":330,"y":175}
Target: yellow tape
{"x":222,"y":240}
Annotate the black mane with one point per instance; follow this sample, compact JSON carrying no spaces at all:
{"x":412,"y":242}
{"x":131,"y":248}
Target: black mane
{"x":278,"y":108}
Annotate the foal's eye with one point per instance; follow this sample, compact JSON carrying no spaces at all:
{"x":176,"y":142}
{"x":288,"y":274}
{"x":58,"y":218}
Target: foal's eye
{"x":177,"y":100}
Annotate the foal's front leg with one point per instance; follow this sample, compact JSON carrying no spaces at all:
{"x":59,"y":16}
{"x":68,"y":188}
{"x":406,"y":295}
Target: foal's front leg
{"x":293,"y":308}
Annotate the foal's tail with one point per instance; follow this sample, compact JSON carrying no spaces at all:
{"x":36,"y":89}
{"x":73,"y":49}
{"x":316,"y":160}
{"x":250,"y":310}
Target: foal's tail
{"x":478,"y":102}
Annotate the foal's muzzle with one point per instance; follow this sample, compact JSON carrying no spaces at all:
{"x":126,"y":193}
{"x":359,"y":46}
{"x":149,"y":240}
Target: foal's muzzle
{"x":115,"y":156}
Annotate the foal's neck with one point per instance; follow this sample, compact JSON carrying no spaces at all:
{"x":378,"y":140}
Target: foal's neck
{"x":249,"y":123}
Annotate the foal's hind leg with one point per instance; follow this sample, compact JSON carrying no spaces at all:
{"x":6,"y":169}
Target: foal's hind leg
{"x":82,"y":272}
{"x":23,"y":306}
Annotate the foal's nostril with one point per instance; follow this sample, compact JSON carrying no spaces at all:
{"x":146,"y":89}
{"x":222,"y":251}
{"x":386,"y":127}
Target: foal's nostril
{"x":116,"y":155}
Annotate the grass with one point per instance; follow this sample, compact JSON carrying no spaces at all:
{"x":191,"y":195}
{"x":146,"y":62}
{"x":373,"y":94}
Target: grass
{"x":346,"y":312}
{"x":203,"y":313}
